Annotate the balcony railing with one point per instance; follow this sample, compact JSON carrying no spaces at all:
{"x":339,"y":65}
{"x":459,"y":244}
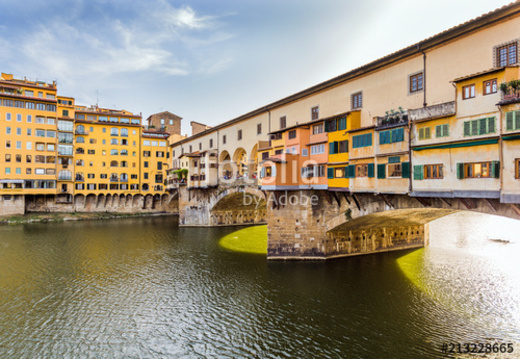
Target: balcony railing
{"x":81,"y":132}
{"x":435,"y":111}
{"x":114,"y":179}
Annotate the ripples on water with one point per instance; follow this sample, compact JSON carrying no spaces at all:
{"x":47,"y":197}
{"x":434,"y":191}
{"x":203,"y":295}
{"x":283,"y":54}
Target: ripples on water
{"x":144,"y":288}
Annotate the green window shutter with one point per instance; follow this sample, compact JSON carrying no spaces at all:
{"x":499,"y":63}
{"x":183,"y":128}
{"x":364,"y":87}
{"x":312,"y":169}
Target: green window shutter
{"x":405,"y":168}
{"x":495,"y":169}
{"x":491,"y":125}
{"x":336,"y":147}
{"x":438,"y":131}
{"x":460,"y":170}
{"x":482,"y":127}
{"x":394,"y":159}
{"x":509,"y":120}
{"x":467,"y":128}
{"x":326,"y":126}
{"x":381,"y":138}
{"x":400,"y":136}
{"x":421,"y":133}
{"x":474,"y":128}
{"x":345,"y":172}
{"x":517,"y":120}
{"x":331,"y":148}
{"x":330,"y":172}
{"x":446,"y":130}
{"x":351,"y":171}
{"x":342,"y":125}
{"x":370,"y":170}
{"x":427,"y":133}
{"x":381,"y":170}
{"x":418,"y":172}
{"x":369,"y":138}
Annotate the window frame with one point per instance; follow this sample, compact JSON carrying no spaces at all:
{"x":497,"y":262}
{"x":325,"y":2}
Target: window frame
{"x":419,"y":77}
{"x":471,"y":93}
{"x":356,"y":100}
{"x":493,"y":87}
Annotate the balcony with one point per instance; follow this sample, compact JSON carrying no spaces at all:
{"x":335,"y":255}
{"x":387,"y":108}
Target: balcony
{"x":114,"y":179}
{"x":392,"y":119}
{"x":510,"y":92}
{"x":431,"y":112}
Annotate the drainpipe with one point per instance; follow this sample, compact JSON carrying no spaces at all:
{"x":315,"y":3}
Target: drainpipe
{"x":424,"y":75}
{"x":500,"y":147}
{"x":410,"y":180}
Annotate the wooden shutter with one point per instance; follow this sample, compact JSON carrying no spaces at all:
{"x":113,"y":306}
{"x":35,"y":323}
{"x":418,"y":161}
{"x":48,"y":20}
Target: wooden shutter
{"x":405,"y":170}
{"x":467,"y":127}
{"x":421,"y":133}
{"x":370,"y":170}
{"x":509,"y":120}
{"x":330,"y":172}
{"x":438,"y":131}
{"x":494,"y":171}
{"x":351,"y":171}
{"x":517,"y":120}
{"x":381,"y":170}
{"x":491,"y":125}
{"x":474,"y":128}
{"x":460,"y":170}
{"x":427,"y":132}
{"x":418,"y":172}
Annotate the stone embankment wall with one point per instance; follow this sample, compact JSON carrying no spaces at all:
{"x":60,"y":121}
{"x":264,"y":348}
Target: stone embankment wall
{"x":92,"y":203}
{"x":12,"y":205}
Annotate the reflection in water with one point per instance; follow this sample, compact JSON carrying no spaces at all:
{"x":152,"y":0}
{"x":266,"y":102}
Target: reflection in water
{"x":146,"y":288}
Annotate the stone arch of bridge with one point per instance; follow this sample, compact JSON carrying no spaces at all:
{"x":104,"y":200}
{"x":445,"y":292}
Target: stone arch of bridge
{"x":361,"y":205}
{"x":238,"y":206}
{"x":241,"y":161}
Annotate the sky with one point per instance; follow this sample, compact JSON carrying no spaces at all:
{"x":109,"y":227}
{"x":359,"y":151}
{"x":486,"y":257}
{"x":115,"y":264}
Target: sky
{"x":205,"y":60}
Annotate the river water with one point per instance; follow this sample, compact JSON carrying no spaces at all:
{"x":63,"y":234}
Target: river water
{"x":145,"y":288}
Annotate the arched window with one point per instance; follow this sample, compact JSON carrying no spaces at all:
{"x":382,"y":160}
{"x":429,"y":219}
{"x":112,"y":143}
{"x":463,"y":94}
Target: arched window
{"x":113,"y":152}
{"x":80,"y":151}
{"x":124,"y":132}
{"x":145,"y":187}
{"x":113,"y":164}
{"x":114,"y":141}
{"x":80,"y":163}
{"x":124,"y":152}
{"x":113,"y":177}
{"x":124,"y":177}
{"x":114,"y":131}
{"x":80,"y":129}
{"x":80,"y":176}
{"x":80,"y":140}
{"x":124,"y":164}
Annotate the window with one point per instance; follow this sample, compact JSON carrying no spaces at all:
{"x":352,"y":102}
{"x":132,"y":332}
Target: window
{"x":8,"y":130}
{"x":482,"y":126}
{"x":478,"y":170}
{"x":7,"y":170}
{"x":362,"y":170}
{"x":224,"y":139}
{"x":18,"y":158}
{"x":239,"y":135}
{"x":416,"y":83}
{"x":91,"y":152}
{"x":394,"y":170}
{"x":424,"y":133}
{"x":146,"y":153}
{"x":113,"y":152}
{"x":317,"y":129}
{"x":29,"y":118}
{"x":468,"y":92}
{"x":200,"y":146}
{"x":506,"y":55}
{"x":433,"y":172}
{"x":305,"y":152}
{"x":315,"y":113}
{"x":18,"y":118}
{"x":159,"y":154}
{"x":259,"y":129}
{"x":114,"y":131}
{"x":283,"y":122}
{"x":7,"y":158}
{"x":442,"y":130}
{"x":210,"y":145}
{"x":512,"y":120}
{"x":124,"y":132}
{"x":114,"y":141}
{"x":145,"y":164}
{"x":339,"y":172}
{"x":356,"y":100}
{"x":331,"y":126}
{"x":517,"y":168}
{"x":362,"y":140}
{"x":342,"y":124}
{"x":391,"y":136}
{"x":7,"y":144}
{"x":65,"y":113}
{"x":490,"y":86}
{"x":292,"y":134}
{"x":19,"y":145}
{"x":91,"y":175}
{"x":28,"y":145}
{"x":28,"y":158}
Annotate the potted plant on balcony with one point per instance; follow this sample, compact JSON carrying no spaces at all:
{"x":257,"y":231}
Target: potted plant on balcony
{"x":504,"y":87}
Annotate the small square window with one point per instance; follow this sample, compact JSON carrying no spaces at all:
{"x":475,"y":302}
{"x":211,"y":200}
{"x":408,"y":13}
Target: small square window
{"x":490,"y":87}
{"x":416,"y":83}
{"x":468,"y":92}
{"x":356,"y":100}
